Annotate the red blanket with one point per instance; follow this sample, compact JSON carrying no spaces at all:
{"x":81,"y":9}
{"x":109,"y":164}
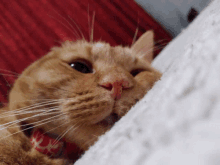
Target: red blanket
{"x":29,"y":28}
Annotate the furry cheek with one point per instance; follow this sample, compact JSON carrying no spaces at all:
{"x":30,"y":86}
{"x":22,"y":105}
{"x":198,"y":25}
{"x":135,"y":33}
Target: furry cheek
{"x":147,"y":79}
{"x":88,"y":108}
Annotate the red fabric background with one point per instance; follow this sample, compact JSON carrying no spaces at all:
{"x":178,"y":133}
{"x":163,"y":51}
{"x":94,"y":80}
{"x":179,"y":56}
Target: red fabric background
{"x":29,"y":28}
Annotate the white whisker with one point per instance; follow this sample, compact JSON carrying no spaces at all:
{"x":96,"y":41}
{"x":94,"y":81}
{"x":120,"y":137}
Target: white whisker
{"x":89,"y":23}
{"x":68,"y":23}
{"x":92,"y":30}
{"x":3,"y":74}
{"x":160,"y":41}
{"x":20,"y":120}
{"x":77,"y":27}
{"x":152,"y":49}
{"x":11,"y":126}
{"x":7,"y":82}
{"x":76,"y":35}
{"x":37,"y":105}
{"x":136,"y":32}
{"x":9,"y":71}
{"x":60,"y":137}
{"x":57,"y":127}
{"x":27,"y":129}
{"x":28,"y":112}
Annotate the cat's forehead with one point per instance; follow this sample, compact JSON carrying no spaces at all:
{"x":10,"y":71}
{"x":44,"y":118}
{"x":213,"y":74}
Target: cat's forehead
{"x":98,"y":51}
{"x":104,"y":51}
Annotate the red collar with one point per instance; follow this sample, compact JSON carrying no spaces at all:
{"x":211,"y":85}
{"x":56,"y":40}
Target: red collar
{"x":48,"y":145}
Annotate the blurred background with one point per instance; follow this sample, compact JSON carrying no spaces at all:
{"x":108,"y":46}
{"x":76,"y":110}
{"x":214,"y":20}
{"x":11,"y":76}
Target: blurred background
{"x":173,"y":14}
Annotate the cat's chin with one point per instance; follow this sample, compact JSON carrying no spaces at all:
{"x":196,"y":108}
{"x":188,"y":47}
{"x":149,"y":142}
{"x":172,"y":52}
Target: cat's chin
{"x":110,"y":120}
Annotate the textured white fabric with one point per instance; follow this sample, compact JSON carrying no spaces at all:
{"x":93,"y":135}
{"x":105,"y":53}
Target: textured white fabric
{"x":178,"y":121}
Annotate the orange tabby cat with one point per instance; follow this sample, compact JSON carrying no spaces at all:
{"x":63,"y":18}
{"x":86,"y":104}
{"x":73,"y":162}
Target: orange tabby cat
{"x":64,"y":101}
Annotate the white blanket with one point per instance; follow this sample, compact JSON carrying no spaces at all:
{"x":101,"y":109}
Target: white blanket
{"x":178,"y":121}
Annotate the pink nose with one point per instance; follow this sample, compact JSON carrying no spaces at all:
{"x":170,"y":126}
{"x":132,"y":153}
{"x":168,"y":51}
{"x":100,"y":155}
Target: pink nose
{"x":116,"y":87}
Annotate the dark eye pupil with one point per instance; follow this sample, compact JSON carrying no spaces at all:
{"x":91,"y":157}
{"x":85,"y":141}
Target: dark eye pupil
{"x":136,"y":72}
{"x":81,"y":67}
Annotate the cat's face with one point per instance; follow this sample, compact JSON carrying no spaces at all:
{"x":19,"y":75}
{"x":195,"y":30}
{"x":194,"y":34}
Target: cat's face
{"x":81,"y":89}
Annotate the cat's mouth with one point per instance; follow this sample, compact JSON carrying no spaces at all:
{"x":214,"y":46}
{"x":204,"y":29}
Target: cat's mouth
{"x":110,"y":120}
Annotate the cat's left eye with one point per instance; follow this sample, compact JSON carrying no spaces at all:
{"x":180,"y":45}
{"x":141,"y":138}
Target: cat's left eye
{"x":81,"y":66}
{"x":135,"y":72}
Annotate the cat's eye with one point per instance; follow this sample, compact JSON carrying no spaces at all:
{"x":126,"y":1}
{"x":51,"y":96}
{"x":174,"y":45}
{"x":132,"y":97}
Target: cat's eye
{"x":81,"y":66}
{"x":135,"y":72}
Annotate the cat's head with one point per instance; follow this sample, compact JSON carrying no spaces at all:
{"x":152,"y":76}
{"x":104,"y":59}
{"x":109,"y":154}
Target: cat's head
{"x":81,"y":89}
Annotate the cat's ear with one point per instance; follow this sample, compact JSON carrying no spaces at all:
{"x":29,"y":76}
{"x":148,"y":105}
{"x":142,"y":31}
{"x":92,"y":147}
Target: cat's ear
{"x":144,"y":46}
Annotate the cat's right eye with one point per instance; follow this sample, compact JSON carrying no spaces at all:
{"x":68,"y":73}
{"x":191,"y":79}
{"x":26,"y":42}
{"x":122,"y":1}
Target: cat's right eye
{"x":81,"y":66}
